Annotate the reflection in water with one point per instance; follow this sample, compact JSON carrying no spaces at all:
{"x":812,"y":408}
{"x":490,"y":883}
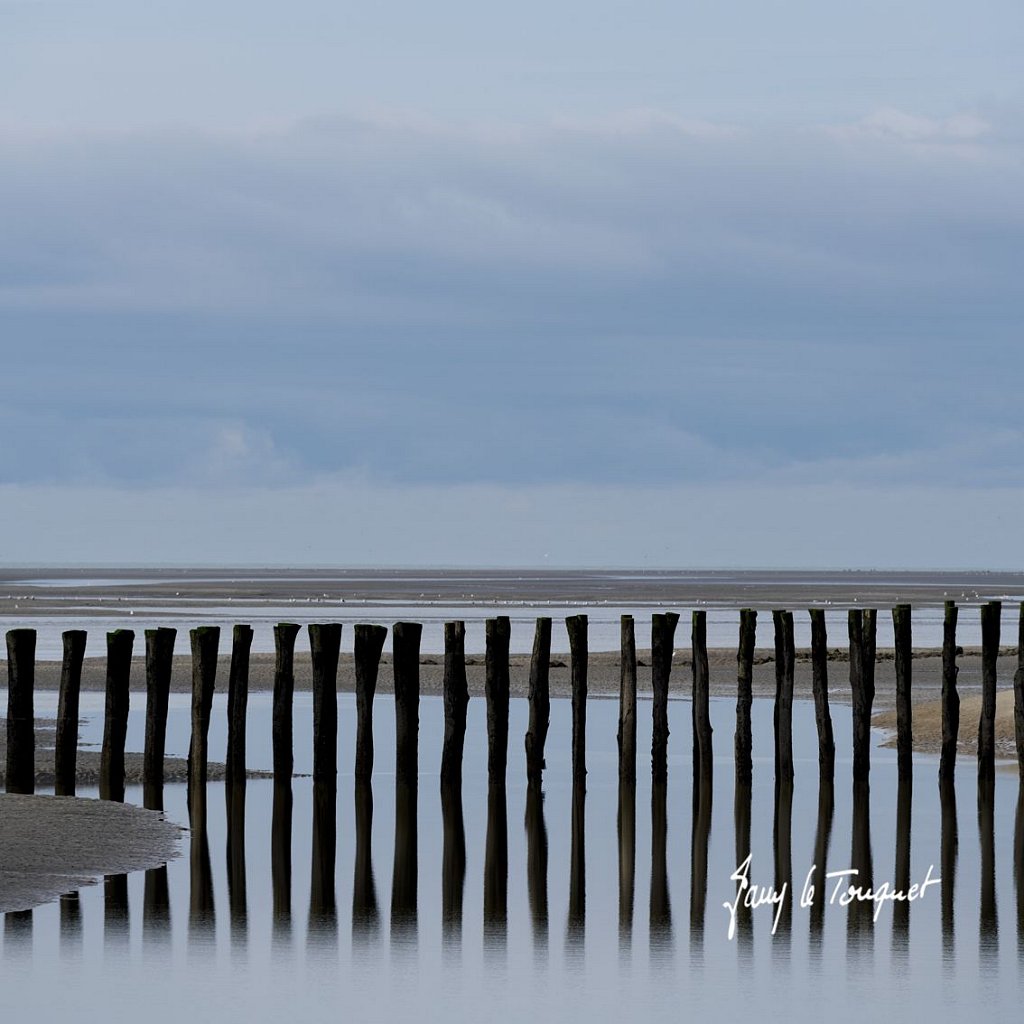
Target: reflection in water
{"x":744,"y":915}
{"x":822,"y":841}
{"x":782,"y":844}
{"x":365,"y":912}
{"x":281,"y":859}
{"x":577,"y":874}
{"x":1018,"y":868}
{"x":453,"y":865}
{"x":660,"y":903}
{"x":496,"y":868}
{"x":115,"y":911}
{"x":70,"y":923}
{"x":156,"y":906}
{"x":404,"y":876}
{"x":536,"y":865}
{"x":901,"y":908}
{"x":627,"y":861}
{"x":323,"y":911}
{"x":860,"y":916}
{"x":201,"y":911}
{"x":238,"y":904}
{"x":947,"y":893}
{"x":18,"y":932}
{"x":989,"y":920}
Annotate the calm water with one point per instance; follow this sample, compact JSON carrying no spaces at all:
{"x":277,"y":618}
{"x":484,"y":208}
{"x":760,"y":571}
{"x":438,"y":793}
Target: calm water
{"x":546,"y":920}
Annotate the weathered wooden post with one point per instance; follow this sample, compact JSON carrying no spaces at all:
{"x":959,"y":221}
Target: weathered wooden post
{"x":65,"y":758}
{"x":904,"y":667}
{"x":862,"y":684}
{"x":785,"y":656}
{"x":369,"y":643}
{"x":159,"y":662}
{"x":496,"y":687}
{"x":325,"y":645}
{"x":950,"y":697}
{"x":577,"y":629}
{"x":745,"y":696}
{"x":701,"y":693}
{"x":663,"y":629}
{"x":284,"y":693}
{"x":819,"y":687}
{"x":205,"y":640}
{"x":990,"y":616}
{"x":1018,"y":696}
{"x":238,"y":702}
{"x":456,"y":700}
{"x":115,"y":720}
{"x":540,"y":702}
{"x":21,"y":736}
{"x":406,"y":663}
{"x":627,"y":702}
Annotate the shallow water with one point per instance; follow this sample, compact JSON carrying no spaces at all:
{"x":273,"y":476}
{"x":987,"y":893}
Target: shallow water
{"x":545,"y":923}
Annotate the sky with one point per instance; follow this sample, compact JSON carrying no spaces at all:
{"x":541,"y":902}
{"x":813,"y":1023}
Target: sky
{"x":647,"y":284}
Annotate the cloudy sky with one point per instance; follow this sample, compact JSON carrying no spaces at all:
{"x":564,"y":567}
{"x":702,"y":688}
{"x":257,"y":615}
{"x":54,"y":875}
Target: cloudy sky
{"x":586,"y":283}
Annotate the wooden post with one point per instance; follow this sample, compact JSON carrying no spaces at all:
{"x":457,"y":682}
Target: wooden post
{"x":701,"y":693}
{"x":904,"y":666}
{"x":284,"y":692}
{"x":540,"y":702}
{"x":663,"y":628}
{"x":819,"y":686}
{"x":496,"y":686}
{"x":369,"y":643}
{"x":950,"y":697}
{"x":990,"y":616}
{"x":325,"y":645}
{"x":21,"y":736}
{"x":406,"y":663}
{"x":745,"y":696}
{"x":115,"y":721}
{"x":1018,"y":696}
{"x":205,"y":640}
{"x":862,"y":684}
{"x":159,"y":661}
{"x":627,"y":702}
{"x":238,"y":702}
{"x":577,"y":629}
{"x":456,"y":700}
{"x":785,"y":657}
{"x":65,"y":758}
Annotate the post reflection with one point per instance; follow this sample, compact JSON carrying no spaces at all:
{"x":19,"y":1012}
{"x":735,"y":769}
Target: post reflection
{"x":576,"y":918}
{"x":660,"y":910}
{"x":281,"y":860}
{"x":948,"y":854}
{"x":988,"y":916}
{"x":822,"y":842}
{"x":323,"y":911}
{"x":782,"y":847}
{"x":742,"y":801}
{"x":496,"y":869}
{"x":537,"y":866}
{"x":453,"y":865}
{"x":860,"y":913}
{"x":901,"y":908}
{"x":405,"y":873}
{"x":365,"y":912}
{"x":626,"y":823}
{"x":156,"y":906}
{"x":1018,"y":868}
{"x":201,"y":909}
{"x":238,"y":903}
{"x":115,"y":912}
{"x":18,"y":932}
{"x":70,"y":923}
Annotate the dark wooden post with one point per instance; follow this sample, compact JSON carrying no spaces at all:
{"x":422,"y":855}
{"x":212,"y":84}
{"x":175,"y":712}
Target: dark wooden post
{"x":65,"y":758}
{"x":406,"y":663}
{"x":904,"y":667}
{"x":950,"y":697}
{"x":745,"y":696}
{"x":496,"y":686}
{"x":862,"y":685}
{"x":115,"y":721}
{"x":785,"y":657}
{"x":238,"y":702}
{"x":456,"y":700}
{"x":284,"y":692}
{"x":540,"y":701}
{"x":369,"y":643}
{"x":1018,"y":696}
{"x":205,"y":640}
{"x":990,"y":616}
{"x":21,"y":736}
{"x":627,"y":702}
{"x":325,"y":646}
{"x":663,"y":629}
{"x":819,"y":686}
{"x":701,"y":693}
{"x":159,"y":662}
{"x":576,"y":625}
